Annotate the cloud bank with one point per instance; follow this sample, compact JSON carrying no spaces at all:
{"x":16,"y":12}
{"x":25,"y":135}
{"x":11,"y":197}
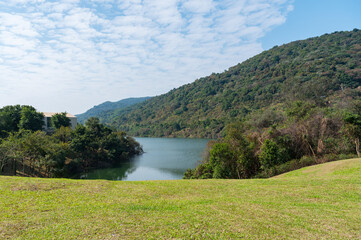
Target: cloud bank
{"x":70,"y":55}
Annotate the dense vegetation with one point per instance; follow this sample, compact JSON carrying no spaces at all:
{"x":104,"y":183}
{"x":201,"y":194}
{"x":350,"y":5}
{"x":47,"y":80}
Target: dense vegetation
{"x":318,"y":202}
{"x":274,"y":141}
{"x":318,"y":70}
{"x":109,"y":109}
{"x":28,"y":151}
{"x":15,"y":118}
{"x":321,"y":121}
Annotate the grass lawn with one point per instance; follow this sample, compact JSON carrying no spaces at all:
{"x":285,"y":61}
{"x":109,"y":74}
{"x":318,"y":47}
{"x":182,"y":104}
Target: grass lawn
{"x":318,"y":202}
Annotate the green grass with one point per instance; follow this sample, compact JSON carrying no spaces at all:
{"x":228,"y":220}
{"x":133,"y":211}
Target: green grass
{"x":318,"y":202}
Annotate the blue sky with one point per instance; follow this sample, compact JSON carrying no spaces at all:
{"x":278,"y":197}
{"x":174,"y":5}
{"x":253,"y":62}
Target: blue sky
{"x":313,"y":18}
{"x":73,"y":54}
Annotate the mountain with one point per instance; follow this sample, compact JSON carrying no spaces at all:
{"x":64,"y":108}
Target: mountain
{"x":102,"y":109}
{"x":319,"y":70}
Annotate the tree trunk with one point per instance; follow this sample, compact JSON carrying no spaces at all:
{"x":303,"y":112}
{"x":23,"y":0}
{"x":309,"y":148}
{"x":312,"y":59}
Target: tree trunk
{"x":14,"y":166}
{"x":309,"y":145}
{"x":357,"y":143}
{"x":2,"y":167}
{"x":320,"y":146}
{"x":239,"y":175}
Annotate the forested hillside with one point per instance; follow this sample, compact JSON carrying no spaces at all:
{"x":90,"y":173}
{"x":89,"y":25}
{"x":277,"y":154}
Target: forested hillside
{"x":109,"y":108}
{"x":324,"y":70}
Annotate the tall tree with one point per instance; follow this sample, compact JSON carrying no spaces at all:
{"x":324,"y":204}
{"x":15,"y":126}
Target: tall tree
{"x":10,"y":152}
{"x":60,"y":120}
{"x":353,"y":127}
{"x":9,"y":119}
{"x":31,"y":119}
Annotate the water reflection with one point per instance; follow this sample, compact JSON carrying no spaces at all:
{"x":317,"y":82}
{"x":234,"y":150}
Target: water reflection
{"x":117,"y":173}
{"x":164,"y":159}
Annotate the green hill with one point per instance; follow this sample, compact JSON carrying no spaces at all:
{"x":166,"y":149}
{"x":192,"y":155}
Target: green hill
{"x":342,"y":168}
{"x":319,"y":70}
{"x":297,"y":205}
{"x":105,"y":108}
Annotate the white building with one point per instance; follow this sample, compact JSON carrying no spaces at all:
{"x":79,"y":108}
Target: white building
{"x":47,"y":120}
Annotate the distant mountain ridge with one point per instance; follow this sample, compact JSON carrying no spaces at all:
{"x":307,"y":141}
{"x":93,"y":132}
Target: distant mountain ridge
{"x":100,"y":109}
{"x":318,"y":70}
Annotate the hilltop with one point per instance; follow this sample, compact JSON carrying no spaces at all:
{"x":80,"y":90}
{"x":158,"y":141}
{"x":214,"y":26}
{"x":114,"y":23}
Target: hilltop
{"x":108,"y":107}
{"x":321,"y":70}
{"x":318,"y":202}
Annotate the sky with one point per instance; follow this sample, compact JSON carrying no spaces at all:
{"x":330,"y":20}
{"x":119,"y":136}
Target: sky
{"x":70,"y":55}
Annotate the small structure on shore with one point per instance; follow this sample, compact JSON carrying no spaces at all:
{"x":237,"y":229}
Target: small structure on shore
{"x":47,"y":120}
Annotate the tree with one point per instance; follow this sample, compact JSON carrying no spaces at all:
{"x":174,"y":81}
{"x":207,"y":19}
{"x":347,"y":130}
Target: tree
{"x":98,"y":145}
{"x":353,"y":127}
{"x":34,"y":148}
{"x":62,"y":134}
{"x":300,"y":109}
{"x":31,"y":119}
{"x":10,"y":152}
{"x":95,"y":128}
{"x":269,"y":155}
{"x":231,"y":157}
{"x":60,"y":120}
{"x":246,"y":163}
{"x":223,"y":161}
{"x":9,"y":119}
{"x":65,"y":152}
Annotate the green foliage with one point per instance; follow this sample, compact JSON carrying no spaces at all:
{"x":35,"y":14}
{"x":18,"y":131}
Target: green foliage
{"x":231,"y":158}
{"x":287,"y":167}
{"x":63,"y":134}
{"x":99,"y":145}
{"x":189,"y":174}
{"x":60,"y":120}
{"x":272,"y":154}
{"x":65,"y":152}
{"x":13,"y":118}
{"x":304,"y":135}
{"x":354,"y":120}
{"x":353,"y":127}
{"x":9,"y":119}
{"x":31,"y":119}
{"x":319,"y":72}
{"x":102,"y":110}
{"x":300,"y":109}
{"x":269,"y":155}
{"x":265,"y":118}
{"x":222,"y":161}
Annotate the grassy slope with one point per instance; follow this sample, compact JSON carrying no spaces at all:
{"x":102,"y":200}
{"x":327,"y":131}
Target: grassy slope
{"x":322,"y":201}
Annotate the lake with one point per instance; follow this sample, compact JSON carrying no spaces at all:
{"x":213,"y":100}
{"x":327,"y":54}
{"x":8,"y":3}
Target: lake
{"x":163,"y":159}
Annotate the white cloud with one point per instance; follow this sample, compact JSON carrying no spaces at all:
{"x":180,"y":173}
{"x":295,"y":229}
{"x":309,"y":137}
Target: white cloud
{"x":16,"y":24}
{"x":71,"y":55}
{"x":200,"y":6}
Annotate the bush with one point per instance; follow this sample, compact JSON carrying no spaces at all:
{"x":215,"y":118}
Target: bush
{"x":272,"y":154}
{"x":307,"y":161}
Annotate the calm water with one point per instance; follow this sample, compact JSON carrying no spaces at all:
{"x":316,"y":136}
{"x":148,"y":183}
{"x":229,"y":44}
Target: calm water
{"x":163,"y":159}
